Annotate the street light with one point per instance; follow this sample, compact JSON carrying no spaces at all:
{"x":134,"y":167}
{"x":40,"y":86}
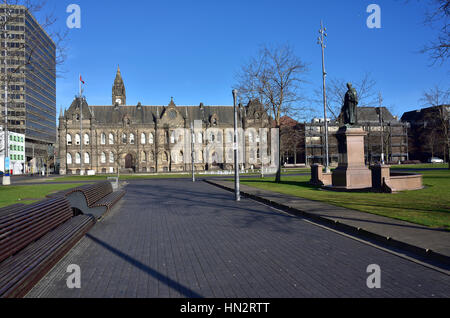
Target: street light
{"x":192,"y":152}
{"x":6,"y":177}
{"x":236,"y":149}
{"x":321,"y":41}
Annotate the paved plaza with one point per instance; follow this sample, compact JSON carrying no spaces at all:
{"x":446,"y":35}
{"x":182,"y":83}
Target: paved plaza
{"x":173,"y":238}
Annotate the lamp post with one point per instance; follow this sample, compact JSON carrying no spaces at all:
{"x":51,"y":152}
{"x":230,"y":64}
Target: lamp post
{"x":380,"y":100}
{"x":6,"y":177}
{"x":236,"y":149}
{"x":192,"y":152}
{"x":321,"y":41}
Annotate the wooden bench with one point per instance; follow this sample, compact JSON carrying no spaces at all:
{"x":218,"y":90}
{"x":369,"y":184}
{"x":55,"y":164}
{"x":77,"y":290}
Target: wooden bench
{"x":94,"y":199}
{"x":33,"y":239}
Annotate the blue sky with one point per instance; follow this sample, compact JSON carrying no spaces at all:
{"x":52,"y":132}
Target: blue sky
{"x":192,"y":49}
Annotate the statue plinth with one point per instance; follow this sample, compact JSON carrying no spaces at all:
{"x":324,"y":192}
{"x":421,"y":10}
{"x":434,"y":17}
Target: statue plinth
{"x":351,"y":172}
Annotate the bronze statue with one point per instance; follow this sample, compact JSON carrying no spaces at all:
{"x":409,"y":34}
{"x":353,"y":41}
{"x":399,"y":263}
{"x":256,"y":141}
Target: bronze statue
{"x":349,"y":110}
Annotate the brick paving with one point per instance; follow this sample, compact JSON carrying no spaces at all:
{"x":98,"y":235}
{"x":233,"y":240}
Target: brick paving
{"x":172,"y":238}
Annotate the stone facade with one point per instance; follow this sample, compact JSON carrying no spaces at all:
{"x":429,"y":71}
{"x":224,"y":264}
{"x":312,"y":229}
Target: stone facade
{"x":144,"y":137}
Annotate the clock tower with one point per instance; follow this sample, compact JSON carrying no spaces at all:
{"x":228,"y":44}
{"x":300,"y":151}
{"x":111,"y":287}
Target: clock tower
{"x":118,"y":90}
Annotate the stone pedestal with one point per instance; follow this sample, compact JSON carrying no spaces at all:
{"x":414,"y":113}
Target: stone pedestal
{"x":351,"y":172}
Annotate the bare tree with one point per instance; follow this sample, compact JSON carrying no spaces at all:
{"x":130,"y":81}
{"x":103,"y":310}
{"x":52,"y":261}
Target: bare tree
{"x":122,"y":145}
{"x":439,"y":98}
{"x":275,"y":76}
{"x":336,"y":89}
{"x":438,"y":18}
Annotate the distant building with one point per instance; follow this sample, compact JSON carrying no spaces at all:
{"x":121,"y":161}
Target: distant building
{"x":393,"y":132}
{"x":16,"y":153}
{"x":32,"y":89}
{"x":427,"y":136}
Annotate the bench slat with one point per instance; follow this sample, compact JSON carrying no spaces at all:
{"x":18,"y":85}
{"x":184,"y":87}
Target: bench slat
{"x":38,"y":257}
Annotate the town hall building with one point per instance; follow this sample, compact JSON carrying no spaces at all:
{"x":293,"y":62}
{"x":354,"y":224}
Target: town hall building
{"x":138,"y":138}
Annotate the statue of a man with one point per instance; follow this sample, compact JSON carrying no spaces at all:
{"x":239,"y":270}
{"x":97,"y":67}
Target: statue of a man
{"x":349,"y":110}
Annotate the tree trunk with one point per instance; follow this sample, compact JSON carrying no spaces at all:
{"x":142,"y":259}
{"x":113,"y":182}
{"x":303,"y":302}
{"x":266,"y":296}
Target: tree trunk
{"x":278,"y":176}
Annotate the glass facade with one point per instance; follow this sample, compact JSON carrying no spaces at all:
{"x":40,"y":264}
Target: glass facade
{"x":31,"y":74}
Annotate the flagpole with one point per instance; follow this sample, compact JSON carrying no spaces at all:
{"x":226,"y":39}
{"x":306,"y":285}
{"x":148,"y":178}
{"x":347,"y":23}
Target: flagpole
{"x":81,"y":129}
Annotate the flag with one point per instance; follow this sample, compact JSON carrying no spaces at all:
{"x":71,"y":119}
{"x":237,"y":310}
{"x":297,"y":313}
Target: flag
{"x":81,"y":80}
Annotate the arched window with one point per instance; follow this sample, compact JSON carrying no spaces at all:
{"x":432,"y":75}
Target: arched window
{"x":87,"y":157}
{"x":77,"y":158}
{"x":69,"y":159}
{"x":86,"y":139}
{"x":151,"y":157}
{"x":230,"y":137}
{"x":150,"y":138}
{"x":181,"y":157}
{"x":131,"y":139}
{"x":111,"y":157}
{"x":69,"y":139}
{"x":103,"y":157}
{"x":165,"y":156}
{"x":172,"y":137}
{"x":251,"y":137}
{"x":111,"y":139}
{"x":103,"y":139}
{"x":143,"y":156}
{"x":124,"y":138}
{"x":77,"y":140}
{"x":143,"y":139}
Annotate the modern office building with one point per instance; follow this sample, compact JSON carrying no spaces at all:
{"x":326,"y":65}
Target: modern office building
{"x":31,"y":76}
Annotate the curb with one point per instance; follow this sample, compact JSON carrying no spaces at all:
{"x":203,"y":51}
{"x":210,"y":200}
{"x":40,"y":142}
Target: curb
{"x":348,"y":229}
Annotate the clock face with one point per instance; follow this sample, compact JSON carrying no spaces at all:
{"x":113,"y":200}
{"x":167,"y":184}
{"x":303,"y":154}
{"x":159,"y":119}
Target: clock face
{"x":119,"y":101}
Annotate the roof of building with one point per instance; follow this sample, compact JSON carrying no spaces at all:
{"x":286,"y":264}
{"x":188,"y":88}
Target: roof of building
{"x":142,"y":114}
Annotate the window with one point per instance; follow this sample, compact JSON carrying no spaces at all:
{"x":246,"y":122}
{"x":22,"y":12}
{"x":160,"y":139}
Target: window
{"x":150,"y":138}
{"x":230,"y":137}
{"x":77,"y":140}
{"x":86,"y":139}
{"x":69,"y":159}
{"x":143,"y":156}
{"x":251,"y":137}
{"x":150,"y":156}
{"x":77,"y":158}
{"x":103,"y":157}
{"x":111,"y":139}
{"x":111,"y":157}
{"x":103,"y":139}
{"x":132,"y":139}
{"x":172,"y":137}
{"x":165,"y":156}
{"x":143,"y":139}
{"x":124,"y":138}
{"x":87,"y":157}
{"x":200,"y":138}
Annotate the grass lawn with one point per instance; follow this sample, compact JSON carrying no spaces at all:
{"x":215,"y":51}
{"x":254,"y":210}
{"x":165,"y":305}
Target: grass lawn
{"x":28,"y":194}
{"x":429,"y":207}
